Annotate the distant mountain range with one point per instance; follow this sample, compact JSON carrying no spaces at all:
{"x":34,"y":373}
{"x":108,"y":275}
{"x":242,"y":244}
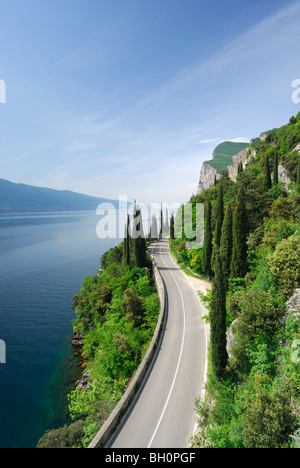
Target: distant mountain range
{"x":21,"y":198}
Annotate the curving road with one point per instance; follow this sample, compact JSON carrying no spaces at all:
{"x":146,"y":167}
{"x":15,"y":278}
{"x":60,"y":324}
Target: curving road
{"x":163,"y":413}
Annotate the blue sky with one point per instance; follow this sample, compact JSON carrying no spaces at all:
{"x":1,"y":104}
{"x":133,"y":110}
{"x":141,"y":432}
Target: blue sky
{"x":110,"y":97}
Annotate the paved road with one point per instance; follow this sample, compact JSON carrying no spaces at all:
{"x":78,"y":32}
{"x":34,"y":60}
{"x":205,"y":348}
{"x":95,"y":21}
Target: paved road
{"x":163,"y":415}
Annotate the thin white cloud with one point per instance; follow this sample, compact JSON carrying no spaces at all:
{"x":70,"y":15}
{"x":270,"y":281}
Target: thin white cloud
{"x":268,"y":36}
{"x":204,"y":142}
{"x":240,"y":140}
{"x":159,"y":141}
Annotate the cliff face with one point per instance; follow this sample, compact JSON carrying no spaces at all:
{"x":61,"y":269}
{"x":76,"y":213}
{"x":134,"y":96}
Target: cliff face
{"x":207,"y":177}
{"x":209,"y":173}
{"x":240,"y":158}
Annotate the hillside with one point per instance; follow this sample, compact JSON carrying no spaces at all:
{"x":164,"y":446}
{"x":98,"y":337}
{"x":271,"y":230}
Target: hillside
{"x":251,"y":255}
{"x":222,"y":157}
{"x":223,"y":153}
{"x":21,"y":198}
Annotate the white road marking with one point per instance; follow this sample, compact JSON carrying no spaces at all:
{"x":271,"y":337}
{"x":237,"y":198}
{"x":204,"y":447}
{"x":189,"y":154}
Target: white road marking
{"x":179,"y":359}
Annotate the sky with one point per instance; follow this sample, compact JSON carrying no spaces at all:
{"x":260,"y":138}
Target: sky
{"x":129,"y":97}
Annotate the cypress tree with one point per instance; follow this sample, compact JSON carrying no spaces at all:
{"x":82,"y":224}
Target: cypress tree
{"x":167,"y":226}
{"x":218,"y":228}
{"x":226,"y":242}
{"x":139,"y":241}
{"x":298,"y":176}
{"x":275,"y":169}
{"x":207,"y":246}
{"x":127,"y":242}
{"x":172,"y":227}
{"x":154,"y":228}
{"x":239,"y":233}
{"x":267,"y":182}
{"x":218,"y":320}
{"x":161,"y":222}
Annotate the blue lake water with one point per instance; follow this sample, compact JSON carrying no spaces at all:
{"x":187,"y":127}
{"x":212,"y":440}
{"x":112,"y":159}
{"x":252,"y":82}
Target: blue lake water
{"x":44,"y":258}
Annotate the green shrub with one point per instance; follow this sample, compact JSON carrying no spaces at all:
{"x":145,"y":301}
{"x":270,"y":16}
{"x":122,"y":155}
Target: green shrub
{"x":284,"y":264}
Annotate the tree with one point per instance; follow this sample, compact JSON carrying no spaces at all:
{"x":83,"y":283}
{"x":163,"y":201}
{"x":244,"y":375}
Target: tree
{"x":154,"y":228}
{"x":284,"y":264}
{"x":172,"y":227}
{"x":132,"y":307}
{"x":275,"y":168}
{"x":269,"y":419}
{"x":226,"y":242}
{"x":207,"y":246}
{"x":138,"y":236}
{"x":218,"y":320}
{"x":127,"y":242}
{"x":298,"y":176}
{"x":219,"y":222}
{"x":239,"y":265}
{"x":161,"y":222}
{"x":267,"y":182}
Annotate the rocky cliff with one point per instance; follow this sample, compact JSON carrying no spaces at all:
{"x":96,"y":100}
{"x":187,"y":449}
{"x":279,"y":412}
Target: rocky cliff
{"x":222,"y":155}
{"x":208,"y":175}
{"x":244,"y":158}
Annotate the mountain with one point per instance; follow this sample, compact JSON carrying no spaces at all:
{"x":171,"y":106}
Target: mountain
{"x":21,"y":198}
{"x":222,"y":157}
{"x":223,"y":153}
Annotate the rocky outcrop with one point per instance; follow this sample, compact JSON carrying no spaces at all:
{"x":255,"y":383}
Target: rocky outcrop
{"x":83,"y":383}
{"x":293,"y":305}
{"x":208,"y":175}
{"x":230,"y":341}
{"x":244,"y":158}
{"x":297,"y":148}
{"x":292,"y":308}
{"x":283,"y":176}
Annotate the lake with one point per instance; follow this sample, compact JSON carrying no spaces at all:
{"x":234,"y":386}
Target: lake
{"x":44,"y":258}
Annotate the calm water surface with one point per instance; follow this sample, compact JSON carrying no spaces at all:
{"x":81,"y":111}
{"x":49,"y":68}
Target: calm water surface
{"x":44,"y":258}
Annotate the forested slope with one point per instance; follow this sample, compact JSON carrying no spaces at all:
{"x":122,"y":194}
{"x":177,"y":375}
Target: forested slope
{"x":251,"y":253}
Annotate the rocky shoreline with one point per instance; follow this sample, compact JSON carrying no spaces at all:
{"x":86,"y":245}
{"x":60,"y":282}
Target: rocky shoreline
{"x":78,"y":342}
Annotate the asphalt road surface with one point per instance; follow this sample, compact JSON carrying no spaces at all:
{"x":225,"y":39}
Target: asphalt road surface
{"x":163,"y":414}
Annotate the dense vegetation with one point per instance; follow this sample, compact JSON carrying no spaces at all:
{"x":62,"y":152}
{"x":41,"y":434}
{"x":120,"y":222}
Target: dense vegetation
{"x":117,"y":312}
{"x":251,"y":253}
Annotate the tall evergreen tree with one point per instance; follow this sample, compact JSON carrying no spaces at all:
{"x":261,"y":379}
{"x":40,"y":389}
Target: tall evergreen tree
{"x":127,"y":242}
{"x":154,"y":228}
{"x":166,"y":224}
{"x":138,"y":236}
{"x":226,"y":242}
{"x":172,"y":227}
{"x":267,"y":182}
{"x":275,"y":168}
{"x":207,"y":246}
{"x":298,"y":176}
{"x":219,"y":223}
{"x":161,"y":222}
{"x":239,"y":265}
{"x":218,"y":320}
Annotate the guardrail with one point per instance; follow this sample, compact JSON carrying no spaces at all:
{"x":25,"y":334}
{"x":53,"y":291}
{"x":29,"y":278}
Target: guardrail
{"x":115,"y":417}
